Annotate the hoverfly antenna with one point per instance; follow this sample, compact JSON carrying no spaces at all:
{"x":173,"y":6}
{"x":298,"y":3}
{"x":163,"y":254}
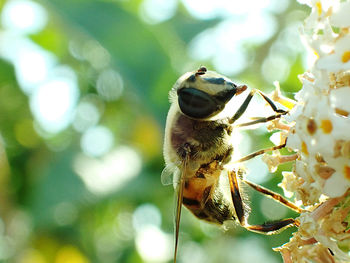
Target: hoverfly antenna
{"x":201,"y":71}
{"x":241,"y":88}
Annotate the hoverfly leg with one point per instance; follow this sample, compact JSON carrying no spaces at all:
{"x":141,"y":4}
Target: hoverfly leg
{"x":272,"y":104}
{"x":272,"y":228}
{"x":267,"y":228}
{"x":236,"y":198}
{"x":245,"y":104}
{"x":243,"y":107}
{"x":257,"y":153}
{"x":274,"y":196}
{"x":261,"y":120}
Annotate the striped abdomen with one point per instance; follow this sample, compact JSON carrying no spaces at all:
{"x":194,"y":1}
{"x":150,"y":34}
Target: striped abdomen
{"x":203,"y":199}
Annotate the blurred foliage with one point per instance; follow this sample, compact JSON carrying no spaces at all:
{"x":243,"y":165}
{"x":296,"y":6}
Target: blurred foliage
{"x":50,"y":210}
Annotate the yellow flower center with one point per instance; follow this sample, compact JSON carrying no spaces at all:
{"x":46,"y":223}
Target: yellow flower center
{"x":346,"y":56}
{"x":326,"y":126}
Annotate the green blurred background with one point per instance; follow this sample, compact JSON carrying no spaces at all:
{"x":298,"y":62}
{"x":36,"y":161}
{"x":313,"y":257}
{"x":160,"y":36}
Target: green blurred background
{"x":83,"y":103}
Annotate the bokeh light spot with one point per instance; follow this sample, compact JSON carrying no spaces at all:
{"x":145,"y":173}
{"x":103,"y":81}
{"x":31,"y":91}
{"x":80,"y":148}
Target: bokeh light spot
{"x":207,"y":9}
{"x":156,"y":11}
{"x":103,"y":176}
{"x":86,"y":115}
{"x":53,"y":103}
{"x":274,"y":68}
{"x":32,"y":66}
{"x":97,"y":55}
{"x":97,"y":141}
{"x":24,"y":16}
{"x":146,"y":214}
{"x":225,"y":43}
{"x":192,"y":252}
{"x":109,"y":85}
{"x":153,"y":245}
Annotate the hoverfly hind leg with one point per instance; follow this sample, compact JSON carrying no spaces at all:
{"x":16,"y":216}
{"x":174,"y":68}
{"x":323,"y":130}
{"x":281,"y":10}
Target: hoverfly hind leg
{"x":273,"y":227}
{"x":236,"y":198}
{"x":267,"y":228}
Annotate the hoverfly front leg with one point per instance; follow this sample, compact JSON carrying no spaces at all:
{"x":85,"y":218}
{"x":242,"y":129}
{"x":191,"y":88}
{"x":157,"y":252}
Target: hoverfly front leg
{"x":262,"y":120}
{"x":242,"y":109}
{"x":267,"y":228}
{"x":244,"y":106}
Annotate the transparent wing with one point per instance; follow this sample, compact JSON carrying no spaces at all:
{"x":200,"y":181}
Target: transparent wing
{"x":167,"y":175}
{"x":170,"y":175}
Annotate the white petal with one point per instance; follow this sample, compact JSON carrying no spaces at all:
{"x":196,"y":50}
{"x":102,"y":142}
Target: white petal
{"x":340,"y":17}
{"x":340,"y":98}
{"x":335,"y":186}
{"x":332,"y":63}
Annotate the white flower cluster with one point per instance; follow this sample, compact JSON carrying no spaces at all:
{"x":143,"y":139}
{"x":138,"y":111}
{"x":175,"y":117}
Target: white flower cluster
{"x":322,"y":125}
{"x":320,"y":135}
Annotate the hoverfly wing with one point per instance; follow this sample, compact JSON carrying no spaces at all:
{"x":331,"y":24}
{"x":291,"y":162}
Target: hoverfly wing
{"x":169,"y":175}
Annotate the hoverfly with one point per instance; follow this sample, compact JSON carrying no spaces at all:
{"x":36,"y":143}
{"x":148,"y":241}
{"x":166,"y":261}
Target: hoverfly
{"x":198,"y":151}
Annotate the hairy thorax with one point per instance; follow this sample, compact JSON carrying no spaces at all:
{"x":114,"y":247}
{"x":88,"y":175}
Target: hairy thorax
{"x":202,"y":142}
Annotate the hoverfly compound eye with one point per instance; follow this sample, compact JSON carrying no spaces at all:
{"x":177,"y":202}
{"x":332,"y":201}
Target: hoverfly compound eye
{"x":197,"y":104}
{"x":225,"y":95}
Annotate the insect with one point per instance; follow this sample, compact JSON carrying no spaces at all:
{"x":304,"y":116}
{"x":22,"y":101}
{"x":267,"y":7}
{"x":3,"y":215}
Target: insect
{"x":198,"y":151}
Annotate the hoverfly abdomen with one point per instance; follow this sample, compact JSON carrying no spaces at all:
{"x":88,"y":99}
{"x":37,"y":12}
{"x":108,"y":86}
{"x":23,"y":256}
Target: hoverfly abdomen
{"x":204,"y":198}
{"x":207,"y":206}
